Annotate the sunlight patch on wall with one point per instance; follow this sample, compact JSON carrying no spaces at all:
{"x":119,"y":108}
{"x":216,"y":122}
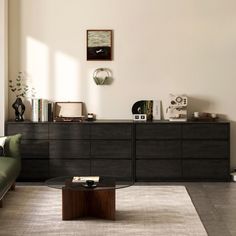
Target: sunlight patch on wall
{"x":37,"y":66}
{"x":66,"y":81}
{"x":93,"y":94}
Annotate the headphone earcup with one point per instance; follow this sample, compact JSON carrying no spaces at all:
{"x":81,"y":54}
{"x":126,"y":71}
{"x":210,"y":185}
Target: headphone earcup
{"x":101,"y":80}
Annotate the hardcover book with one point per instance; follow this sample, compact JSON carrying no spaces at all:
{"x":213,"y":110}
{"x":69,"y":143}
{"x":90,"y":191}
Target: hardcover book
{"x":83,"y":179}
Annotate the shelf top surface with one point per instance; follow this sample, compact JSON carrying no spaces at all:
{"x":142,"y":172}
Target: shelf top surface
{"x":105,"y":121}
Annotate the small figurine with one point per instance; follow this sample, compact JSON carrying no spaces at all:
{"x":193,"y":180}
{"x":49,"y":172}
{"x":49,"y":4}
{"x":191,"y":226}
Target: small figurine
{"x":19,"y":108}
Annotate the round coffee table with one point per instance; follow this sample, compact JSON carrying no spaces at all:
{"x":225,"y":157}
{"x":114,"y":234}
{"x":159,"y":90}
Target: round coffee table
{"x":79,"y":200}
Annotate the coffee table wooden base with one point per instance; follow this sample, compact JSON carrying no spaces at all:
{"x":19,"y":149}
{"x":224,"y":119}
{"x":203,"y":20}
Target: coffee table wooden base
{"x":88,"y":203}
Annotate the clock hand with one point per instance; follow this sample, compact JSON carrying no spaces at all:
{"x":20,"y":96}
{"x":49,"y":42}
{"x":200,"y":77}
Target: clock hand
{"x":99,"y":51}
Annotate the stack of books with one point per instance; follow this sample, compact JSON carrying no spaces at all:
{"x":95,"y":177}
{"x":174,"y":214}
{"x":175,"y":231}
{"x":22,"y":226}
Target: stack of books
{"x":83,"y":179}
{"x":41,"y":110}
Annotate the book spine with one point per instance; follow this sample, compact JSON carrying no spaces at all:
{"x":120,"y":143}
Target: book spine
{"x":44,"y":110}
{"x":50,"y":116}
{"x":35,"y":117}
{"x":32,"y":111}
{"x":39,"y":110}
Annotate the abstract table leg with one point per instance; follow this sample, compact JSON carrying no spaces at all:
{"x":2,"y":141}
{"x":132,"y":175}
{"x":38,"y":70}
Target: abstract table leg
{"x":88,"y":203}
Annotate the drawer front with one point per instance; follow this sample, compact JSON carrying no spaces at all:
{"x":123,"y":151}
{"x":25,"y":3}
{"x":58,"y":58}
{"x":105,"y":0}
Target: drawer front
{"x":34,"y":170}
{"x":158,"y":169}
{"x":111,"y":131}
{"x":206,"y":169}
{"x":69,"y":149}
{"x":158,"y":149}
{"x":119,"y":169}
{"x":206,"y":131}
{"x":58,"y":167}
{"x":111,"y":149}
{"x":28,"y":130}
{"x":158,"y":131}
{"x":69,"y":131}
{"x":205,"y":149}
{"x":34,"y":149}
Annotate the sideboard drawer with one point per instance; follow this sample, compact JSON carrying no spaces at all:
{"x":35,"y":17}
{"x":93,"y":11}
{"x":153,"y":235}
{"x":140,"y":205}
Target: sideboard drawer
{"x":28,"y":130}
{"x":59,"y":167}
{"x":111,"y":131}
{"x":34,"y":170}
{"x":111,"y":149}
{"x":34,"y":149}
{"x":205,"y":149}
{"x":158,"y":169}
{"x":206,"y":131}
{"x":119,"y":169}
{"x":206,"y":169}
{"x":158,"y":131}
{"x":158,"y":149}
{"x":69,"y":131}
{"x":67,"y":149}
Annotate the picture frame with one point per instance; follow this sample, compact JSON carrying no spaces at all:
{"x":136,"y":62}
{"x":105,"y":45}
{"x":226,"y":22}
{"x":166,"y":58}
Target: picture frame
{"x":152,"y":109}
{"x":99,"y":45}
{"x":68,"y":110}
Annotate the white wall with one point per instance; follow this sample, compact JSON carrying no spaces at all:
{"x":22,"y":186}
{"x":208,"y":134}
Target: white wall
{"x":160,"y":47}
{"x":3,"y":64}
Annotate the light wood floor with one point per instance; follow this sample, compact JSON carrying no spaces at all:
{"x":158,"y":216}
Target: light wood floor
{"x":215,"y":203}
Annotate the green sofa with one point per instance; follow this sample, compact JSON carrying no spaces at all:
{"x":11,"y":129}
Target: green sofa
{"x":10,"y":164}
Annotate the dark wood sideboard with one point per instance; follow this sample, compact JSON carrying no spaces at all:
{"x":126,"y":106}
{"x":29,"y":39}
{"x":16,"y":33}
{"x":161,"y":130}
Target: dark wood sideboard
{"x":127,"y":150}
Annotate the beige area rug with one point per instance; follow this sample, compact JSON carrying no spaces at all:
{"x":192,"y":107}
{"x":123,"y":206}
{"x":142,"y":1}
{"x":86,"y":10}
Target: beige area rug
{"x":141,"y":210}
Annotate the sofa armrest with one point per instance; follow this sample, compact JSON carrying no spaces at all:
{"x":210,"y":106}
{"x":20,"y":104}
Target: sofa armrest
{"x":12,"y":146}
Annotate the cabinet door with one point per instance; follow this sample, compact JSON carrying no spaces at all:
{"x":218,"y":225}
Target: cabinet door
{"x":60,"y":167}
{"x":67,"y":149}
{"x":69,"y":131}
{"x":34,"y":149}
{"x":156,"y":170}
{"x":158,"y":131}
{"x":119,"y":169}
{"x":158,"y":149}
{"x":206,"y":169}
{"x":111,"y":149}
{"x":34,"y":170}
{"x":28,"y":130}
{"x":206,"y":131}
{"x":111,"y":131}
{"x":205,"y":149}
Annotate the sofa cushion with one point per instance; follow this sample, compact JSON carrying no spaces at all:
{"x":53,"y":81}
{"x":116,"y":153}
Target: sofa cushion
{"x":9,"y":170}
{"x":2,"y":143}
{"x":12,"y":146}
{"x":1,"y":151}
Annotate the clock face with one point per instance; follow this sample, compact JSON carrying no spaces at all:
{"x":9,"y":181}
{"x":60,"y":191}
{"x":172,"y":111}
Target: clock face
{"x":179,"y":99}
{"x":98,"y":53}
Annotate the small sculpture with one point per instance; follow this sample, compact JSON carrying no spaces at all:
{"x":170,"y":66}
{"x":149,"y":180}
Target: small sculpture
{"x":21,"y":90}
{"x":19,"y":108}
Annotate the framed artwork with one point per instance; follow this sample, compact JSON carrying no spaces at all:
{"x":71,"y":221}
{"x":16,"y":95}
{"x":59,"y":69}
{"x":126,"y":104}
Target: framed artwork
{"x":68,"y":109}
{"x":99,"y":45}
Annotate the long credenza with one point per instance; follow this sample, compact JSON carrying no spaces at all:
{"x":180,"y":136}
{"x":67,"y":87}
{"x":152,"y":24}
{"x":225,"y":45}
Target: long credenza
{"x":150,"y":151}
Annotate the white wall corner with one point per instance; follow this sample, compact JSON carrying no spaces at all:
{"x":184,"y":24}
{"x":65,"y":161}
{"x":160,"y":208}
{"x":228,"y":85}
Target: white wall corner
{"x":3,"y":63}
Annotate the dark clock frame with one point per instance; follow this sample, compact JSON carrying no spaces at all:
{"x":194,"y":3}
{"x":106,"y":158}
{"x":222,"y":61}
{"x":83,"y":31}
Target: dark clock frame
{"x":100,"y":52}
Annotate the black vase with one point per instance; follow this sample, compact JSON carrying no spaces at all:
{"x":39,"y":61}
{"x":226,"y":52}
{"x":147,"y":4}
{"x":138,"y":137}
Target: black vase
{"x":19,"y":108}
